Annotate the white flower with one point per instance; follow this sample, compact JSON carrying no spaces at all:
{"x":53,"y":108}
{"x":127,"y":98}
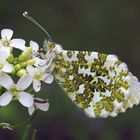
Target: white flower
{"x":4,"y":65}
{"x":35,"y":47}
{"x":6,"y":126}
{"x":16,"y":90}
{"x":36,"y":54}
{"x":38,"y":75}
{"x":39,"y":62}
{"x":6,"y":43}
{"x":38,"y":104}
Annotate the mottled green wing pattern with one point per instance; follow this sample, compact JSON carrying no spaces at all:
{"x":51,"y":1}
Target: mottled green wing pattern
{"x":98,"y":83}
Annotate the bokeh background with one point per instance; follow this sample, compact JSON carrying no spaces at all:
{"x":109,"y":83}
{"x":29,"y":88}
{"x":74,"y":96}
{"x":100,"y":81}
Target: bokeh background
{"x":109,"y":26}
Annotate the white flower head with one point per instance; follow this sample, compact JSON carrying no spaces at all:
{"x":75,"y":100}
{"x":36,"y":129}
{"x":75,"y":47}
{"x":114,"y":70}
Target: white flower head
{"x":39,"y":75}
{"x":15,"y":90}
{"x":7,"y":43}
{"x":38,"y":104}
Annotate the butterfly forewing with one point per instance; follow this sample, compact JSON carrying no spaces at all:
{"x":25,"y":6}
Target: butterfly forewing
{"x":98,"y":83}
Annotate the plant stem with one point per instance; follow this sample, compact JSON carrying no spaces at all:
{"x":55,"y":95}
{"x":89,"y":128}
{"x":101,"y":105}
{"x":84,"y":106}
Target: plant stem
{"x":25,"y":135}
{"x":34,"y":134}
{"x":14,"y":126}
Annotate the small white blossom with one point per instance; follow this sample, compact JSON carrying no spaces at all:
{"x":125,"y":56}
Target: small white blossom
{"x":35,"y":47}
{"x":6,"y":126}
{"x":38,"y":75}
{"x":15,"y":90}
{"x":6,"y":43}
{"x":39,"y":62}
{"x":36,"y":55}
{"x":4,"y":65}
{"x":38,"y":104}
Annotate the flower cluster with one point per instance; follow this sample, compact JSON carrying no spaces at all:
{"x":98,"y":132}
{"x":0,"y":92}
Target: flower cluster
{"x":29,"y":66}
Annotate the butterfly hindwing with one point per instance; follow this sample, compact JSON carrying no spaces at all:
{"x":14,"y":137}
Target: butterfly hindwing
{"x":98,"y":83}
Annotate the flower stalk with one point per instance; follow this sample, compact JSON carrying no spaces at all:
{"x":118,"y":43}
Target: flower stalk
{"x":22,"y":124}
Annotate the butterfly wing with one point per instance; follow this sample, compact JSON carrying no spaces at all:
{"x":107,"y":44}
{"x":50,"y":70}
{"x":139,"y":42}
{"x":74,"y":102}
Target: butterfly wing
{"x":98,"y":83}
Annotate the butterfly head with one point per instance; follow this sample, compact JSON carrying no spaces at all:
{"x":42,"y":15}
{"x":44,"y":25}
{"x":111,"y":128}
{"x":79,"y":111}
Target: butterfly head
{"x":52,"y":47}
{"x":51,"y":51}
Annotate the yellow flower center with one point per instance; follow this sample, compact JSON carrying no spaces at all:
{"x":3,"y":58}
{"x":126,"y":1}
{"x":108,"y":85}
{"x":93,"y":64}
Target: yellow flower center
{"x":6,"y":42}
{"x":14,"y":90}
{"x":1,"y":66}
{"x":38,"y":75}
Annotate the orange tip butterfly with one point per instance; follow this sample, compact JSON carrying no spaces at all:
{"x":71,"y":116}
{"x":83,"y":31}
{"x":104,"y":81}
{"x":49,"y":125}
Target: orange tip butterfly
{"x":98,"y":83}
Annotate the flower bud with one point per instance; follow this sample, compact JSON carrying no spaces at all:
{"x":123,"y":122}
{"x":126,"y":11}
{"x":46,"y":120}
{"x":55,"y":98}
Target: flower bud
{"x":21,"y":72}
{"x":11,"y":58}
{"x":17,"y":67}
{"x":25,"y":55}
{"x":23,"y":64}
{"x":31,"y":62}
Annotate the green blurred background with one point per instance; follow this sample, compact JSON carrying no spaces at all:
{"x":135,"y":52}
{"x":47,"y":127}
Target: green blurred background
{"x":109,"y":26}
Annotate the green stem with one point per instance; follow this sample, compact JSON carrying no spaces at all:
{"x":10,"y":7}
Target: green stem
{"x":34,"y":134}
{"x":25,"y":134}
{"x":14,"y":126}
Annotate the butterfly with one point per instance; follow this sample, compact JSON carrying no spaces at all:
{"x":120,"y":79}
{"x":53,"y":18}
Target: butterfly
{"x":98,"y":83}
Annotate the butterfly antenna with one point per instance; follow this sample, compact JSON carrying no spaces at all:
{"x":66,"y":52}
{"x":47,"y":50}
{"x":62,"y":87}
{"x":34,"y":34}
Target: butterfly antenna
{"x":26,"y":15}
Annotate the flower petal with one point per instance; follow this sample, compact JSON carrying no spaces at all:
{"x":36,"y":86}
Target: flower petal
{"x":24,"y":82}
{"x":6,"y":34}
{"x":1,"y":43}
{"x":39,"y":62}
{"x":31,"y":110}
{"x":6,"y":126}
{"x":34,"y":46}
{"x":18,"y":43}
{"x":6,"y":50}
{"x":6,"y":81}
{"x":5,"y":98}
{"x":42,"y":106}
{"x":8,"y":68}
{"x":48,"y":78}
{"x":3,"y":55}
{"x":25,"y":99}
{"x":31,"y":70}
{"x":36,"y":85}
